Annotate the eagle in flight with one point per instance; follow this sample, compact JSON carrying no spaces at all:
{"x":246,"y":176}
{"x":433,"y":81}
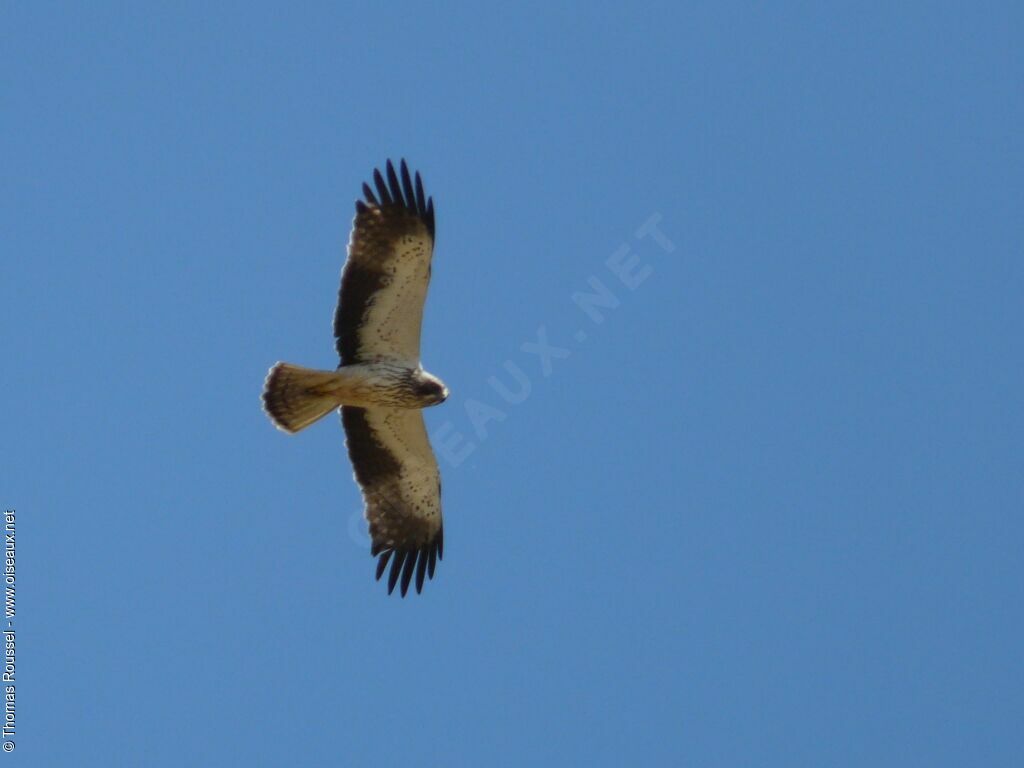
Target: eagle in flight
{"x":380,"y":384}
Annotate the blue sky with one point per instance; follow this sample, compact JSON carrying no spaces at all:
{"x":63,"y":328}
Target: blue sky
{"x":768,"y":510}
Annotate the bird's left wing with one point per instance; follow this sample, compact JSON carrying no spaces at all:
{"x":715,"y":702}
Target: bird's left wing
{"x":398,"y":475}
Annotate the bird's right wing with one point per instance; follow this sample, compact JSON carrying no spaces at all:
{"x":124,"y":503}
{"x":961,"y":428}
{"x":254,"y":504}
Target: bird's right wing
{"x":385,"y":278}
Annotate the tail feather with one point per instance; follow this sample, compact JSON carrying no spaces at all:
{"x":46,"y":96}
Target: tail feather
{"x":294,"y":397}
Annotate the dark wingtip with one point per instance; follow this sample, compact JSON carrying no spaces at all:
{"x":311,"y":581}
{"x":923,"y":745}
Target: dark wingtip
{"x":407,"y":564}
{"x":382,"y":188}
{"x":410,"y":565}
{"x":410,"y":193}
{"x":421,"y":571}
{"x":368,"y":194}
{"x":421,"y":200}
{"x":396,"y":568}
{"x":394,"y":187}
{"x":432,"y":559}
{"x":383,"y":563}
{"x":400,"y":188}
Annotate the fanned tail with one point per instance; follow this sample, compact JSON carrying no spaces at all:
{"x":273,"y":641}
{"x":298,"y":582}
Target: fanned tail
{"x":294,"y":397}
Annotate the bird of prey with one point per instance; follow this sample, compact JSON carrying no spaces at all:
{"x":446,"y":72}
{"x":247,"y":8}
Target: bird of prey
{"x":380,"y":383}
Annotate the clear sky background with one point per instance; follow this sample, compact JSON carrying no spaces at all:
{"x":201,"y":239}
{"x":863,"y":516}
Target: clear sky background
{"x":767,"y":512}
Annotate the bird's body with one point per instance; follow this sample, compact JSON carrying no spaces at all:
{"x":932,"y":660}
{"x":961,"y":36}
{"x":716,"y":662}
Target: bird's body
{"x":384,"y":383}
{"x":380,"y":384}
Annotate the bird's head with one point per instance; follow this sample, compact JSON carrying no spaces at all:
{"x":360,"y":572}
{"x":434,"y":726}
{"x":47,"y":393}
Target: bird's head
{"x":431,"y":389}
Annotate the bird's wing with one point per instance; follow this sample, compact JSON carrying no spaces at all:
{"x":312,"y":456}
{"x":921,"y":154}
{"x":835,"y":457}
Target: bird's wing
{"x":384,"y":281}
{"x":397,"y":472}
